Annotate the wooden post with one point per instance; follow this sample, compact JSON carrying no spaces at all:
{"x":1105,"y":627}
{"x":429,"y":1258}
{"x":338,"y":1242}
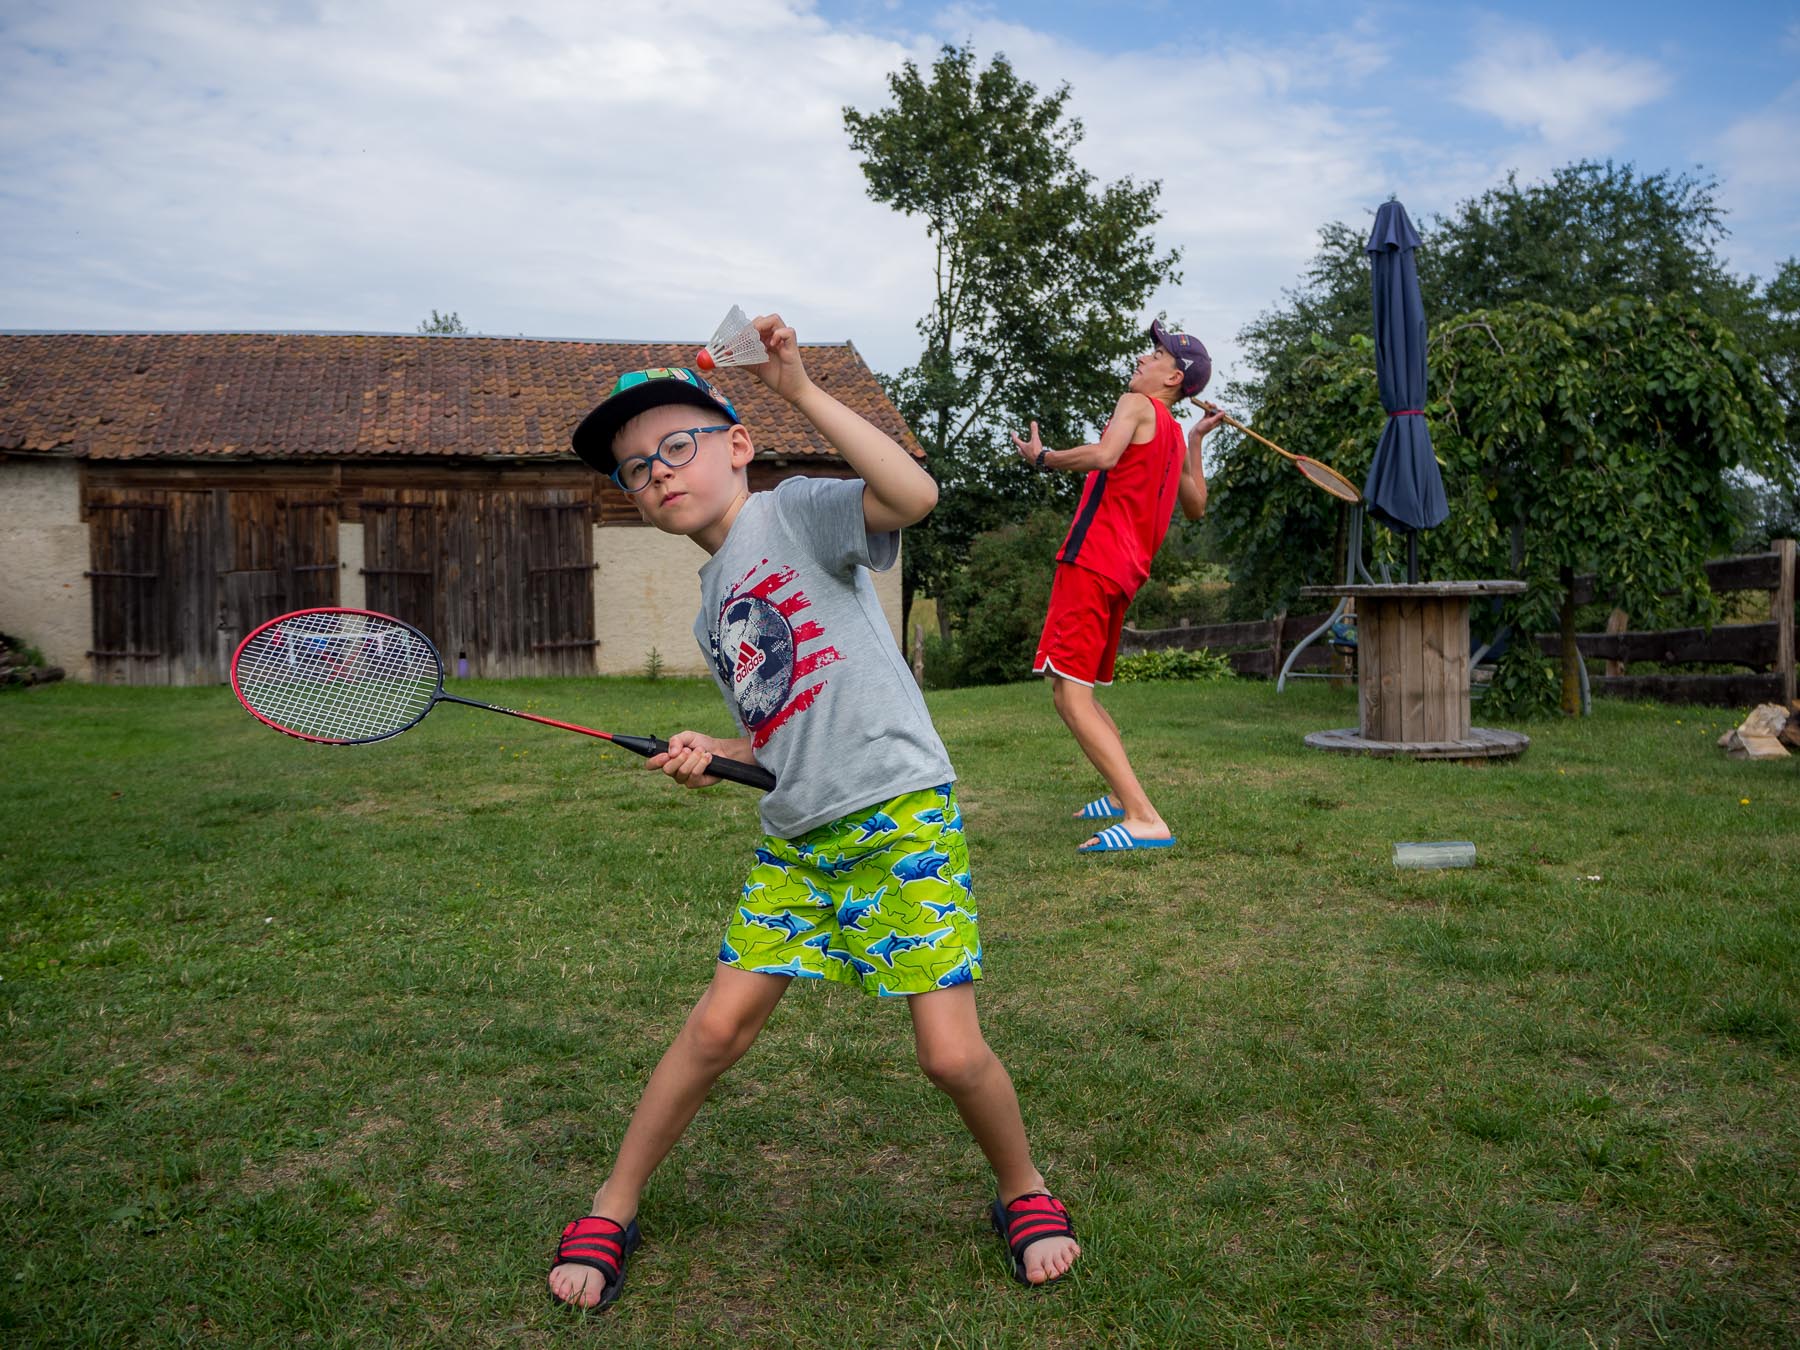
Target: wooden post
{"x":1617,"y":622}
{"x":1275,"y":639}
{"x":1781,"y":604}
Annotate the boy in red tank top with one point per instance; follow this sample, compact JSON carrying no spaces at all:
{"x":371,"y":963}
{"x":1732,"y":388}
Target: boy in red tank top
{"x":1137,"y":473}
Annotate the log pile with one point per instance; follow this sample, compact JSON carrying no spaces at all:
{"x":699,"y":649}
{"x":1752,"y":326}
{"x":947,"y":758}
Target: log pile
{"x":19,"y":664}
{"x":1771,"y":731}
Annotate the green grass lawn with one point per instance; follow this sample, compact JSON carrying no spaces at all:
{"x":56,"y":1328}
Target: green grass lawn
{"x":323,"y":1046}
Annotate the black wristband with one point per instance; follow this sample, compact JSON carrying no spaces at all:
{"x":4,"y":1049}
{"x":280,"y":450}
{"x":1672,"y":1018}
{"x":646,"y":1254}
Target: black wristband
{"x":1040,"y":457}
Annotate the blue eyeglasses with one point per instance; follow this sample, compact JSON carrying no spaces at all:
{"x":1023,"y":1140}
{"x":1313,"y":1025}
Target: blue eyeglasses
{"x":675,"y":449}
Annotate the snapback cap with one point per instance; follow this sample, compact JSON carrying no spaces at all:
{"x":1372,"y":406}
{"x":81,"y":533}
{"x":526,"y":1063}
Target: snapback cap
{"x":1189,"y":353}
{"x":638,"y":391}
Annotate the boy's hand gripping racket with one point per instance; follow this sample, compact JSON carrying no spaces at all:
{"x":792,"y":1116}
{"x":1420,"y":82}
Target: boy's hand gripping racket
{"x":351,"y":676}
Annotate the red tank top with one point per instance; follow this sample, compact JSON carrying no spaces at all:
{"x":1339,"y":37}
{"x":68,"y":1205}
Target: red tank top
{"x":1125,"y":510}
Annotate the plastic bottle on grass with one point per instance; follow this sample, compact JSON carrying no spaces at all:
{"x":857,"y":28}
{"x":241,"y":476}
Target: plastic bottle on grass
{"x":1449,"y":853}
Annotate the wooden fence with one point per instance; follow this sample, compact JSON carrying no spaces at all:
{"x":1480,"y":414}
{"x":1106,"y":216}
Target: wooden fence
{"x":1255,"y":649}
{"x":1766,"y":649}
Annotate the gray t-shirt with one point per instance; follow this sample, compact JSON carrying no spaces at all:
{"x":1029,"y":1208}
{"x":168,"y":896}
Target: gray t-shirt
{"x":791,"y":626}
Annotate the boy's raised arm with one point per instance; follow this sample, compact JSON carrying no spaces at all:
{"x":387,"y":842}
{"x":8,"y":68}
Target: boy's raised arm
{"x":897,"y":491}
{"x":1128,"y":419}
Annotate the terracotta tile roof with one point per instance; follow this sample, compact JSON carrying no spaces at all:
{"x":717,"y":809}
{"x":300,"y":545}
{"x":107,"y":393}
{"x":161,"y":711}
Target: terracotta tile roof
{"x":295,"y":396}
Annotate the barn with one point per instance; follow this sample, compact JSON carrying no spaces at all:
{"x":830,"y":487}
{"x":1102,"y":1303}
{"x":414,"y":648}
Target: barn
{"x":163,"y":493}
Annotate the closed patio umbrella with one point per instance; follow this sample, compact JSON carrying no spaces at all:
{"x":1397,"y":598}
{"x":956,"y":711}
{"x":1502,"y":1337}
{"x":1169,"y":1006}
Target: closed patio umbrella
{"x":1405,"y":489}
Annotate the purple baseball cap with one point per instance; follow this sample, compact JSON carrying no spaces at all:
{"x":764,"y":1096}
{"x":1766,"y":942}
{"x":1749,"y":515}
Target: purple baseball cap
{"x":1189,"y":353}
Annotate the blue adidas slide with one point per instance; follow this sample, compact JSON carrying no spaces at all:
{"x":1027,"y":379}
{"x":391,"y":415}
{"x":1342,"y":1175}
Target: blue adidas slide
{"x":1101,"y":808}
{"x":1118,"y":839}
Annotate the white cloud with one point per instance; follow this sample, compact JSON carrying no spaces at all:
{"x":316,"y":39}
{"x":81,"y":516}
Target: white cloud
{"x":355,"y":165}
{"x":1573,"y":102}
{"x":1256,"y":145}
{"x":1762,"y":151}
{"x":1760,"y":182}
{"x":627,"y":170}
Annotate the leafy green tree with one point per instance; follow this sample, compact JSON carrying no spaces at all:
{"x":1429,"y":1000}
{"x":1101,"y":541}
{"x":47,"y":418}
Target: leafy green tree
{"x":1041,"y":277}
{"x":448,"y":324}
{"x":1778,"y":342}
{"x":1770,"y":507}
{"x":1598,"y":442}
{"x":1593,"y":231}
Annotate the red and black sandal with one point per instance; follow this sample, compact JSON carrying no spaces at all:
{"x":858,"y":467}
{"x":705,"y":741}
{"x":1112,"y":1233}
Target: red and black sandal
{"x":1031,"y":1218}
{"x":603,"y":1245}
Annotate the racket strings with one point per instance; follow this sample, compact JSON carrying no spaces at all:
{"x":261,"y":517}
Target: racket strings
{"x":338,"y":677}
{"x":1330,"y":479}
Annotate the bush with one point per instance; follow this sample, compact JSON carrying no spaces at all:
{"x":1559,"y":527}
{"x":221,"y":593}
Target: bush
{"x":1201,"y":595}
{"x":1183,"y":583}
{"x":996,"y":602}
{"x":1172,"y":664}
{"x":1526,"y":684}
{"x":943,"y":663}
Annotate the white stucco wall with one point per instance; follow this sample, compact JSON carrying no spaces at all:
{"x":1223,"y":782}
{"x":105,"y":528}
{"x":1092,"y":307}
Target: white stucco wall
{"x":647,"y":589}
{"x":353,"y":589}
{"x":45,"y":596}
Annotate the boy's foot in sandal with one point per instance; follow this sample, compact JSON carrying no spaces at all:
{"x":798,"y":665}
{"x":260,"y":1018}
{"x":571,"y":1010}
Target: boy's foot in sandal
{"x":1128,"y":836}
{"x":588,"y":1270}
{"x":1101,"y":808}
{"x":1040,"y":1240}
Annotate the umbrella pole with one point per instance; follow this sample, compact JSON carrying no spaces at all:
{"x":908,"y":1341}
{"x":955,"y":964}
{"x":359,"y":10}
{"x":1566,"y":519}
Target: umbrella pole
{"x":1412,"y":557}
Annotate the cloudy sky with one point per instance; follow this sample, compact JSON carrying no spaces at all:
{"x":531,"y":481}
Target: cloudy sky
{"x":586,"y":168}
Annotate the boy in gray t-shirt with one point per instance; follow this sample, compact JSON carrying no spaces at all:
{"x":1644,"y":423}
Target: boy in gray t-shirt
{"x":863,"y":873}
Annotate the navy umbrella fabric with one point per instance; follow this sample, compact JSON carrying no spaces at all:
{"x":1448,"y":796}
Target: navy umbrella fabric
{"x":1405,"y":489}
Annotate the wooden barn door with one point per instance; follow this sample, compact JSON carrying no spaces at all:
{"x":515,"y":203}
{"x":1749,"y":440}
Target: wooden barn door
{"x":520,"y":582}
{"x":132,"y":587}
{"x":180,"y":575}
{"x":501,"y":578}
{"x":277,"y":551}
{"x":558,"y":637}
{"x":403,"y":558}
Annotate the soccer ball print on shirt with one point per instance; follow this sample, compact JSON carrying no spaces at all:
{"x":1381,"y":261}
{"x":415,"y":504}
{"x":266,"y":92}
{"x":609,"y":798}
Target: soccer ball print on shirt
{"x":757,"y":648}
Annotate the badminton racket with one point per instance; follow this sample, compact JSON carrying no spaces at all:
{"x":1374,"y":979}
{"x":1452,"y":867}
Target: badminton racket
{"x":1322,"y":475}
{"x":352,"y":677}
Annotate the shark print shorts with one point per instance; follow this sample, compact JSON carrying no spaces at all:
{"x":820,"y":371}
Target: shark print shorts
{"x":881,"y":899}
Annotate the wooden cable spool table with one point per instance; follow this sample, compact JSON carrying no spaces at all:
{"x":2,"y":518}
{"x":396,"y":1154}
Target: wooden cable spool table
{"x":1412,"y":672}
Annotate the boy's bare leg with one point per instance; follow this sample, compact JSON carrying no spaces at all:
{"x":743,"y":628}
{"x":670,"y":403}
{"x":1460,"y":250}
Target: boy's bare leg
{"x":955,"y":1056}
{"x":721,"y":1027}
{"x":1099,"y":708}
{"x":1098,"y":736}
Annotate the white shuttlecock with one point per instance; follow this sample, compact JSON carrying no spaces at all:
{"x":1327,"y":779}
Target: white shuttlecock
{"x":735,"y":343}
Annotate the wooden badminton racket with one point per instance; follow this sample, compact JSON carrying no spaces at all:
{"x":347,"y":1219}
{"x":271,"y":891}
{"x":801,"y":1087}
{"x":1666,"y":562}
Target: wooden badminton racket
{"x":1318,"y":473}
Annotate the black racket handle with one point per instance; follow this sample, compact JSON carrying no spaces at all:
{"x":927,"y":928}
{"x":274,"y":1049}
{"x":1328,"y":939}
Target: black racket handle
{"x":750,"y":775}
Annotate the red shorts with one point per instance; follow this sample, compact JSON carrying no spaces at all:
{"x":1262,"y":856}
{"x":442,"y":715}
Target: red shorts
{"x":1081,"y":631}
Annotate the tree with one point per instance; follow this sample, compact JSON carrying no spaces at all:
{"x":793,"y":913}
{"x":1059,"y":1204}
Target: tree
{"x":1040,"y":279}
{"x":1596,"y":239}
{"x":1771,"y":506}
{"x":1598,"y":442}
{"x":1594,"y":231}
{"x":1777,"y":340}
{"x":448,"y":324}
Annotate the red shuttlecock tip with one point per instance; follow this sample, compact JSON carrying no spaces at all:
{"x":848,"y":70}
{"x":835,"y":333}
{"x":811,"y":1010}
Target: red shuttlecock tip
{"x":704,"y":359}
